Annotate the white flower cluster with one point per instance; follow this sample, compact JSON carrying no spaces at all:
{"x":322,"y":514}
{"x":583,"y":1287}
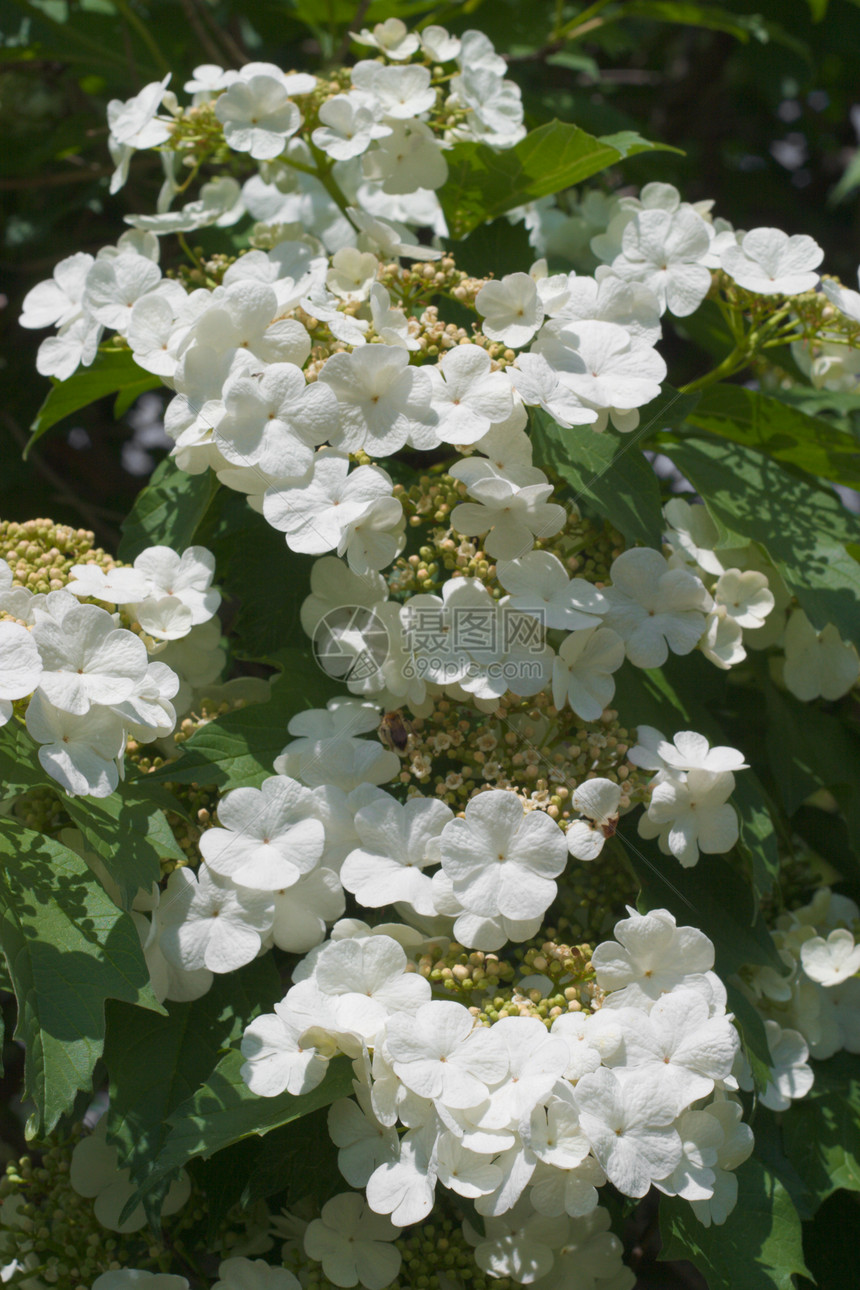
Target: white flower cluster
{"x":752,"y":608}
{"x":90,"y":681}
{"x":527,"y":1122}
{"x":688,"y":811}
{"x":814,"y":1007}
{"x":236,"y":1273}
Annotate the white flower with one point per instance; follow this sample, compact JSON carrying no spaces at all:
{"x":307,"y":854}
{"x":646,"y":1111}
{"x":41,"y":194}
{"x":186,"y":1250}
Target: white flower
{"x":269,"y":837}
{"x":391,"y":37}
{"x":132,"y":1279}
{"x":258,"y":116}
{"x":847,"y":301}
{"x":493,"y":107}
{"x":539,"y":585}
{"x":317,"y":517}
{"x":736,"y":1146}
{"x":186,"y":577}
{"x":352,"y":274}
{"x":630,"y":1127}
{"x":440,"y":1053}
{"x":582,"y":671}
{"x":500,"y":860}
{"x":602,"y":365}
{"x":349,"y":126}
{"x":20,"y":666}
{"x":817,"y":663}
{"x":274,"y":419}
{"x":76,"y":343}
{"x":405,"y":1188}
{"x":678,"y":1045}
{"x":512,"y":517}
{"x":387,"y":238}
{"x":831,"y":961}
{"x":207,"y":921}
{"x":94,"y":1172}
{"x":383,"y":402}
{"x":329,"y":751}
{"x":536,"y":1061}
{"x":362,"y":983}
{"x":790,"y":1076}
{"x":245,"y":316}
{"x":598,"y":800}
{"x":410,"y":157}
{"x":220,"y":203}
{"x":518,"y":1244}
{"x":133,"y":123}
{"x":511,"y":309}
{"x":654,"y":608}
{"x":363,"y":1142}
{"x":253,"y":1274}
{"x":115,"y":284}
{"x":353,"y":1243}
{"x":397,"y":843}
{"x":276,"y":1058}
{"x":302,"y":910}
{"x":694,"y":533}
{"x":86,"y":658}
{"x":688,"y":751}
{"x":745,"y":596}
{"x":654,"y":957}
{"x":439,"y":45}
{"x":665,"y":250}
{"x":692,"y":816}
{"x":770,"y":262}
{"x":58,"y":301}
{"x":466,"y":1172}
{"x":79,"y":752}
{"x":467,"y":396}
{"x":400,"y":93}
{"x":538,"y":384}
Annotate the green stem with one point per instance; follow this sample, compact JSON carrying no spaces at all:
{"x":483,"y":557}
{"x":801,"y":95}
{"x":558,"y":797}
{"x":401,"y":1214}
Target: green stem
{"x":145,"y":34}
{"x":187,"y":249}
{"x":733,"y":362}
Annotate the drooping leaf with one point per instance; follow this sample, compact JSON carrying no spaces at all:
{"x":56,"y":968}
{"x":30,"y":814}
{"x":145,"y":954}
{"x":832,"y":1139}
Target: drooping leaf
{"x":783,"y":432}
{"x":802,"y":525}
{"x":759,"y":1247}
{"x":240,"y":747}
{"x":709,"y":16}
{"x":113,"y":371}
{"x":68,"y":949}
{"x":168,"y":511}
{"x":607,"y":473}
{"x":129,"y":832}
{"x":483,"y":183}
{"x":158,"y":1062}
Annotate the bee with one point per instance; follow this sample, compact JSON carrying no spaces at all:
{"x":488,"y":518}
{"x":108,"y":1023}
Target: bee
{"x":395,"y":732}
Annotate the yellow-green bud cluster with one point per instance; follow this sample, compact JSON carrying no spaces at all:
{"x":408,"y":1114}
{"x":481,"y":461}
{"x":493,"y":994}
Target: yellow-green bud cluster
{"x":53,"y":1231}
{"x":40,"y":553}
{"x":527,"y":746}
{"x":469,"y":975}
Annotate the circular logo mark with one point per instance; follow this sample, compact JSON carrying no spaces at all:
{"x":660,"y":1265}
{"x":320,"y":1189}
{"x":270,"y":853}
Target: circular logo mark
{"x":351,"y":643}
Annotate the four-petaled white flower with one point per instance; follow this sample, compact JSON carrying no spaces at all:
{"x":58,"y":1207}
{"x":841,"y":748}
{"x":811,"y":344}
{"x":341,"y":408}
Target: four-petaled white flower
{"x":653,"y":608}
{"x":258,"y":116}
{"x":353,"y":1243}
{"x":770,"y":262}
{"x":500,"y":860}
{"x":512,"y":517}
{"x":692,"y":815}
{"x":511,"y":309}
{"x":467,"y":396}
{"x":582,"y":671}
{"x":831,"y":961}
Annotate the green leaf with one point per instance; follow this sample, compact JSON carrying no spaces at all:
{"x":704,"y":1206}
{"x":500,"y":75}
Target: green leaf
{"x":783,"y":432}
{"x":112,"y":371}
{"x":822,"y":1134}
{"x":848,"y":183}
{"x":497,"y":247}
{"x":759,"y":1247}
{"x":130,"y":833}
{"x":483,"y":184}
{"x":19,"y":765}
{"x":69,"y":949}
{"x":803,"y":526}
{"x":225,"y":1111}
{"x":606,"y":471}
{"x":168,"y":511}
{"x":239,"y":748}
{"x":156,"y":1063}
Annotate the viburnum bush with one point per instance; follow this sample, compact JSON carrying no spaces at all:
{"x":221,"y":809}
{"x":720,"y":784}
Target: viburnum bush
{"x":433,"y":827}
